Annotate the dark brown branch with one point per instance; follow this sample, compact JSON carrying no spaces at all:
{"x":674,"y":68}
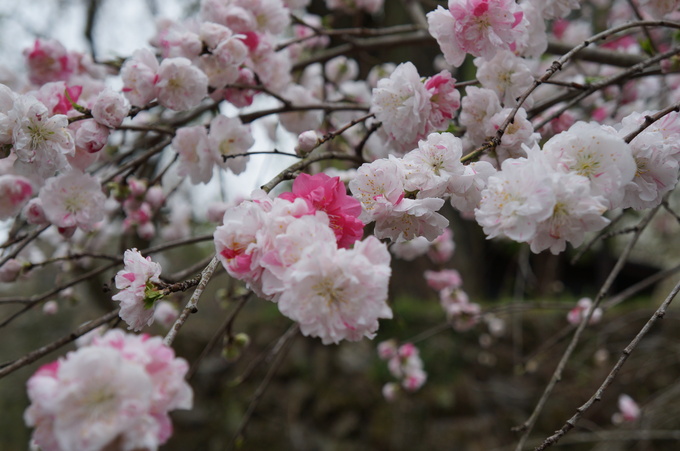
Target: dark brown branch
{"x":38,"y":353}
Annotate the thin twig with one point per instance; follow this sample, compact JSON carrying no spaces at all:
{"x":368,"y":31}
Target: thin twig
{"x":571,"y":423}
{"x":225,"y":328}
{"x":279,"y":353}
{"x":191,"y":306}
{"x":38,"y":353}
{"x":289,"y":173}
{"x":528,"y":425}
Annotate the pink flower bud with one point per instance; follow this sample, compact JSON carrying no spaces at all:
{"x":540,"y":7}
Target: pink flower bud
{"x":146,"y":231}
{"x":10,"y":270}
{"x":390,"y":391}
{"x":307,"y":141}
{"x":91,"y":136}
{"x":165,"y":314}
{"x":50,"y":308}
{"x":155,"y":197}
{"x":34,"y":213}
{"x":387,"y":349}
{"x":446,"y":278}
{"x":110,"y":108}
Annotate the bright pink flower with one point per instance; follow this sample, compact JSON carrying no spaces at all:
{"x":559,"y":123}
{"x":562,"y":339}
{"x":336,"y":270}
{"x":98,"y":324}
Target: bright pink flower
{"x":330,"y":196}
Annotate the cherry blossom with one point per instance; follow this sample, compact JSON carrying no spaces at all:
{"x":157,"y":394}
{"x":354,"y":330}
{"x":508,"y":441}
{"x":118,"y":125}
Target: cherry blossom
{"x":137,"y":284}
{"x":40,"y":140}
{"x":328,"y":194}
{"x":478,"y":27}
{"x":73,"y":199}
{"x":110,"y":108}
{"x":338,"y":294}
{"x":119,"y":389}
{"x":139,"y":75}
{"x":583,"y":307}
{"x":402,"y":103}
{"x":515,"y":200}
{"x":196,"y":157}
{"x":597,"y":153}
{"x":229,"y":136}
{"x":629,"y":411}
{"x":181,"y":85}
{"x":15,"y":191}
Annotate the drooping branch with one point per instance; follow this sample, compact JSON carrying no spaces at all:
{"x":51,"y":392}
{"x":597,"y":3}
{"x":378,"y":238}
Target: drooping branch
{"x":528,"y":425}
{"x":571,"y":423}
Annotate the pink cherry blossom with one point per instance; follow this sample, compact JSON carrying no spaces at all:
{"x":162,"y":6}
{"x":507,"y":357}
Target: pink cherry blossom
{"x":328,"y":194}
{"x":656,"y":163}
{"x":48,"y":61}
{"x":402,"y":103}
{"x":429,"y":168}
{"x":196,"y":157}
{"x":136,"y":282}
{"x":139,"y":74}
{"x":110,"y":108}
{"x":411,"y":249}
{"x":40,"y":141}
{"x":15,"y":191}
{"x":583,"y":307}
{"x":507,"y":75}
{"x":337,"y":294}
{"x":445,"y":99}
{"x":515,"y":200}
{"x":73,"y":200}
{"x":629,"y":411}
{"x":181,"y":85}
{"x":11,"y":270}
{"x":34,"y":213}
{"x":466,"y":189}
{"x":445,"y":278}
{"x":576,"y":212}
{"x":129,"y":382}
{"x":229,"y":136}
{"x":441,"y":249}
{"x":478,"y":27}
{"x":90,"y":135}
{"x":597,"y":153}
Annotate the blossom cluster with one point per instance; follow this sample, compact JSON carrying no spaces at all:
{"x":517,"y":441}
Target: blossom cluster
{"x":295,"y":251}
{"x":410,"y":108}
{"x":405,"y":364}
{"x":558,"y":194}
{"x":402,"y":195}
{"x":114,"y":393}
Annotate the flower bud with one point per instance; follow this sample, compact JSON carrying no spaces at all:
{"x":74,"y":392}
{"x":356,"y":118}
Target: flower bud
{"x":307,"y":141}
{"x":110,"y":108}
